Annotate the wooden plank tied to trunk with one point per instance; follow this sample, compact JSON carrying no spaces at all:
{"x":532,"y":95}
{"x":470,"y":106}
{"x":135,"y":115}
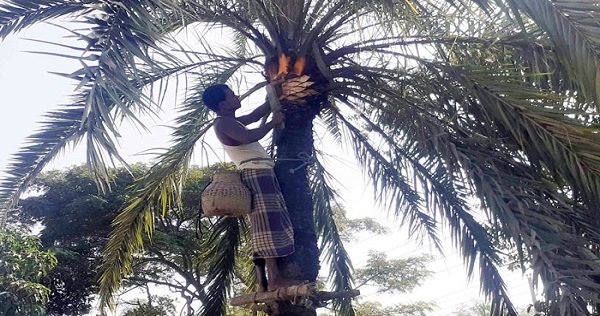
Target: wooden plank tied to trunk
{"x":290,"y":294}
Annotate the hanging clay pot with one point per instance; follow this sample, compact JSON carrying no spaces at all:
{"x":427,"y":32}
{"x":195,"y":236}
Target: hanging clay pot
{"x":226,"y":195}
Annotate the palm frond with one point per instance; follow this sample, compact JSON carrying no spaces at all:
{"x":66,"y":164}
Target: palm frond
{"x":425,"y":149}
{"x":573,"y":27}
{"x":16,"y":15}
{"x":390,"y":185}
{"x":551,"y":137}
{"x":237,"y":15}
{"x":90,"y":114}
{"x":61,"y":128}
{"x":161,"y":185}
{"x":340,"y":265}
{"x":550,"y":222}
{"x":514,"y":188}
{"x":545,"y":222}
{"x":328,"y":117}
{"x":223,"y":245}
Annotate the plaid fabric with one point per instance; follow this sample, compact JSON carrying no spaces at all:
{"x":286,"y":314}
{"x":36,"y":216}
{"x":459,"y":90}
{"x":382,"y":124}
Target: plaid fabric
{"x":270,"y":225}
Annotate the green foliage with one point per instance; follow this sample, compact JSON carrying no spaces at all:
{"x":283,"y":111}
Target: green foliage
{"x":176,"y":256}
{"x":349,"y":227}
{"x":70,"y":198}
{"x":439,"y":100}
{"x":390,"y":275}
{"x":376,"y":309}
{"x":478,"y":309}
{"x":22,"y":265}
{"x":159,"y":306}
{"x":72,"y":282}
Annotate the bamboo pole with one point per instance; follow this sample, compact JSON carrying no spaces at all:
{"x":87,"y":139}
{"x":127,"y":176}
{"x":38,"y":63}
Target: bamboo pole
{"x":290,"y":293}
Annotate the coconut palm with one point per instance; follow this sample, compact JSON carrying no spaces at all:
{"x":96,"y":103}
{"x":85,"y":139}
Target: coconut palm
{"x":440,"y":101}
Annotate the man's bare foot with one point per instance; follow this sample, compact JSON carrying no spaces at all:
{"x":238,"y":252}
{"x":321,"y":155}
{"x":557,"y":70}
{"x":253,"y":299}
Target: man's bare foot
{"x":261,"y":289}
{"x":282,"y":282}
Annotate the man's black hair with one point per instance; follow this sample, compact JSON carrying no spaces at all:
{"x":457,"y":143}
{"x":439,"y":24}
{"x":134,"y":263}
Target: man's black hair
{"x":213,"y":95}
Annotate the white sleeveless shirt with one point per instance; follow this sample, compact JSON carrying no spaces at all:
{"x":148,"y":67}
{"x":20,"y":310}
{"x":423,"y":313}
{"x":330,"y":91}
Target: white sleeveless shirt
{"x":249,"y":156}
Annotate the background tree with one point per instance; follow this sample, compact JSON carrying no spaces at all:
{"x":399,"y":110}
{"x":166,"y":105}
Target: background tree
{"x":173,"y":259}
{"x":392,"y":276}
{"x":157,"y":306}
{"x":376,"y":309}
{"x":22,"y":264}
{"x":439,"y":100}
{"x":477,"y":309}
{"x":70,"y":198}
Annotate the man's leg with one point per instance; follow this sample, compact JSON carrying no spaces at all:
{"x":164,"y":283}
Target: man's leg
{"x":271,"y":228}
{"x":261,"y":275}
{"x":276,"y":279}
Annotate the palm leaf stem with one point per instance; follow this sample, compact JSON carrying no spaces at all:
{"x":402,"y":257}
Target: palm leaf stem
{"x":223,"y":242}
{"x":572,"y":26}
{"x":15,"y":15}
{"x":266,"y":18}
{"x":238,"y":23}
{"x":340,"y":265}
{"x":387,"y":181}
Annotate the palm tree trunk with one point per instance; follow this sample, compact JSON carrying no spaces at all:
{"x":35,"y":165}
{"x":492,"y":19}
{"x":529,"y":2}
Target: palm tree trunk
{"x":293,"y":143}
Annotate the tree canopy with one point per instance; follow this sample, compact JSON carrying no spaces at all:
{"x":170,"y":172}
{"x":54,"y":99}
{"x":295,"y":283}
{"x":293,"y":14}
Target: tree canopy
{"x":174,"y":258}
{"x":440,"y":101}
{"x":22,"y":266}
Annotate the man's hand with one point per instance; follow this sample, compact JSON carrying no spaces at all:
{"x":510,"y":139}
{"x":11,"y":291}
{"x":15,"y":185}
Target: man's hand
{"x":278,"y":118}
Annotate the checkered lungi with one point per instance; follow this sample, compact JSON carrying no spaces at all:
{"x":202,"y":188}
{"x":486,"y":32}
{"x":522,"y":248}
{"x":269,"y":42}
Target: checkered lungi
{"x":270,"y":225}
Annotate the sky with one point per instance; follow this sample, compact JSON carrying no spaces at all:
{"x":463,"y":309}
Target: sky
{"x":28,"y":90}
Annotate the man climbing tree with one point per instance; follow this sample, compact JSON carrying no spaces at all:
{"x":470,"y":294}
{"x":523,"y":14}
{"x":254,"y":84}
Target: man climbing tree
{"x":441,"y":101}
{"x":272,"y":231}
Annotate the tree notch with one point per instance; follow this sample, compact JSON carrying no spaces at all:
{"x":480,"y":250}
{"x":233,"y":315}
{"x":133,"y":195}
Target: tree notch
{"x":291,"y":86}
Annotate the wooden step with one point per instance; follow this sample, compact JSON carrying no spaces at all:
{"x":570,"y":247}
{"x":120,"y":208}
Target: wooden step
{"x":291,"y":293}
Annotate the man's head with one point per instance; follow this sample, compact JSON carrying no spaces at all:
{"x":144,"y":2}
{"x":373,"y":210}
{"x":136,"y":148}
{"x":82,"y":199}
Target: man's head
{"x":220,"y":97}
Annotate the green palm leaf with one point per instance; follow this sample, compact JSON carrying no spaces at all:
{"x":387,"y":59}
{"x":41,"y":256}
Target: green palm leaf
{"x":340,"y":265}
{"x":161,"y":185}
{"x":224,"y":241}
{"x":573,"y":28}
{"x":390,"y":185}
{"x":555,"y":141}
{"x":16,"y":15}
{"x":427,"y":153}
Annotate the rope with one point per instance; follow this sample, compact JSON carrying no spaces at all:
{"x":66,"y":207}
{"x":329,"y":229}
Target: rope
{"x":304,"y":157}
{"x":279,"y":295}
{"x":296,"y":296}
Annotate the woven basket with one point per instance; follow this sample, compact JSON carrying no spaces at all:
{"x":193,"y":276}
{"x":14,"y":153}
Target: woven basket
{"x":226,"y":195}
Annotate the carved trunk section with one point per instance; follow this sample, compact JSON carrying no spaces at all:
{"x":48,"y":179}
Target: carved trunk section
{"x":294,"y":145}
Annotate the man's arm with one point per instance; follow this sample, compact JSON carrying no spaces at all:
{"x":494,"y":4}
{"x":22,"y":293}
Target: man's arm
{"x":236,"y":132}
{"x":255,"y":115}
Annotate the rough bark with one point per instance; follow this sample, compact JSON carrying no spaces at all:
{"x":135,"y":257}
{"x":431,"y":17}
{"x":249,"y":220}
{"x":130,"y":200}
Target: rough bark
{"x":293,"y":143}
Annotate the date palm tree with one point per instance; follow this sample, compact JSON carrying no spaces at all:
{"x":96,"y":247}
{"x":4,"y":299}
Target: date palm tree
{"x":440,"y":101}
